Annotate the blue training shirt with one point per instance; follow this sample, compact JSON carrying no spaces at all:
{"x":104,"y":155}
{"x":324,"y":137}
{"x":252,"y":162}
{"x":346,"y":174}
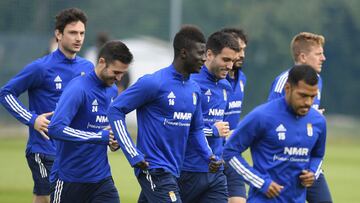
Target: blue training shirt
{"x":236,"y":98}
{"x":282,"y":144}
{"x":214,"y":100}
{"x":277,"y":88}
{"x":45,"y":80}
{"x":168,"y":113}
{"x":77,"y":125}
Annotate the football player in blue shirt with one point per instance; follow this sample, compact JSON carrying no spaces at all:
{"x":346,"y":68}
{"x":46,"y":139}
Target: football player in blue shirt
{"x":197,"y":183}
{"x":307,"y":48}
{"x":80,"y":126}
{"x":168,"y":114}
{"x":45,"y":79}
{"x":237,"y":79}
{"x":286,"y":137}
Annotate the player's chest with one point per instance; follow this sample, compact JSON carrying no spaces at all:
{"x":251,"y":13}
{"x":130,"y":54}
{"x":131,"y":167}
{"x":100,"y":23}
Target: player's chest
{"x":291,"y":133}
{"x":177,"y":97}
{"x":57,"y":77}
{"x":95,"y":106}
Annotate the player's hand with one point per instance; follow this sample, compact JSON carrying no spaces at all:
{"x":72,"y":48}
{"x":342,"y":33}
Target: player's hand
{"x":143,"y":165}
{"x":230,"y":133}
{"x":274,"y":190}
{"x":223,"y":128}
{"x":42,"y":123}
{"x":215,"y":164}
{"x":307,"y":178}
{"x":113,"y":144}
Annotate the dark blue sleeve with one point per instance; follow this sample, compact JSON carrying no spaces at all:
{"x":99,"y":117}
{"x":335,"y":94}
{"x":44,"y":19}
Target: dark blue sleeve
{"x":137,"y":95}
{"x":246,"y":133}
{"x":196,"y":134}
{"x":30,"y":77}
{"x":70,"y":101}
{"x":318,"y":151}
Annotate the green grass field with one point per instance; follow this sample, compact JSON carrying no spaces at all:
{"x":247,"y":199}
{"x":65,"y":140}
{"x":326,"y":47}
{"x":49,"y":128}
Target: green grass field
{"x":342,"y":166}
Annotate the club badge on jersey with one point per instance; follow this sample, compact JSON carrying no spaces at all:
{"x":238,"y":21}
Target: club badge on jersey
{"x":241,"y":86}
{"x":194,"y":98}
{"x":309,"y":130}
{"x":172,"y":196}
{"x":225,"y":94}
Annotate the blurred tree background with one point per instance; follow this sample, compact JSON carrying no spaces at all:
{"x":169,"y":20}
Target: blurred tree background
{"x":27,"y":26}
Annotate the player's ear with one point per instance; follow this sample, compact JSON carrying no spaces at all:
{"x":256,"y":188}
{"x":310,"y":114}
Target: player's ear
{"x":287,"y":88}
{"x":183,"y":53}
{"x":302,"y":58}
{"x":209,"y":54}
{"x":101,"y":62}
{"x":58,"y":34}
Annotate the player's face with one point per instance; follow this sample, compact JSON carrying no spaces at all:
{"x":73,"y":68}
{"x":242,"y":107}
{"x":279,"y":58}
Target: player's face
{"x":315,"y":58}
{"x":300,"y":97}
{"x":72,"y":38}
{"x":222,"y":63}
{"x":240,"y":55}
{"x":113,"y":72}
{"x":195,"y":57}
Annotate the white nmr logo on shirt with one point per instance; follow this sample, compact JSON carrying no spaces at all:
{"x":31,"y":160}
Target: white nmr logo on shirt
{"x":216,"y":112}
{"x":300,"y":151}
{"x":102,"y":119}
{"x":182,"y":116}
{"x":234,"y":104}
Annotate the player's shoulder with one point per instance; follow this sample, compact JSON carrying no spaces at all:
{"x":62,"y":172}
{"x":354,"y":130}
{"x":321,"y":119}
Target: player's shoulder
{"x":83,"y":61}
{"x":270,"y":108}
{"x":195,"y":85}
{"x":79,"y":83}
{"x":282,"y":76}
{"x":225,"y":84}
{"x":315,"y":115}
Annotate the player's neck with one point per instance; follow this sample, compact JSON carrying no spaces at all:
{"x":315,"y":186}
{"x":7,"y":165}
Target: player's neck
{"x":180,"y":68}
{"x":232,"y":73}
{"x":68,"y":54}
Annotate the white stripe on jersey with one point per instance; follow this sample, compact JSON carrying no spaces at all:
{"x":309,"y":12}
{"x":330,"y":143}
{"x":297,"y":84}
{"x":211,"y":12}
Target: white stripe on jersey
{"x":17,"y":108}
{"x":120,"y":129}
{"x":208,"y":131}
{"x":281,"y":82}
{"x":80,"y":134}
{"x":58,"y":190}
{"x":246,"y":173}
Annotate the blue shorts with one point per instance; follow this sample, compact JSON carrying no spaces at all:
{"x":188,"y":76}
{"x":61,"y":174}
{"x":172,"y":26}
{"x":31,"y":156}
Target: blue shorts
{"x":158,"y":185}
{"x":102,"y":191}
{"x":319,"y":192}
{"x":203,"y":187}
{"x":235,"y":183}
{"x":40,"y":166}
